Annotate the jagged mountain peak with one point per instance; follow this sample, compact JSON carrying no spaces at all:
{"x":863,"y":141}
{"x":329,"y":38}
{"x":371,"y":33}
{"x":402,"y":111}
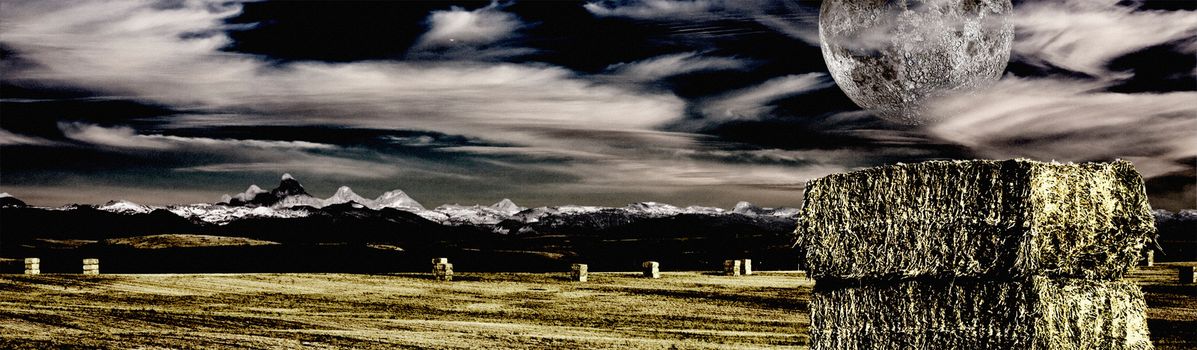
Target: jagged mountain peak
{"x":507,"y":206}
{"x":344,"y":195}
{"x":124,"y":206}
{"x":744,"y":207}
{"x":288,"y":186}
{"x":397,"y":199}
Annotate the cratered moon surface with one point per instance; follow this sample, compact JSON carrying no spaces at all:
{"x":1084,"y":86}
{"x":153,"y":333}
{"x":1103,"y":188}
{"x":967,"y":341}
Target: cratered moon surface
{"x":891,"y":56}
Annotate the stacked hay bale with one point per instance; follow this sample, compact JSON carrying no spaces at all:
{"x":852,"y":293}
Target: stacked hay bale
{"x":731,"y":267}
{"x":746,"y":267}
{"x":579,"y":272}
{"x":977,"y":254}
{"x":651,"y":269}
{"x":442,"y":270}
{"x":33,"y":266}
{"x":91,"y":266}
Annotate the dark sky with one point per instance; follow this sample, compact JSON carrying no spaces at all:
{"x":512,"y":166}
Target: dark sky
{"x":704,"y":102}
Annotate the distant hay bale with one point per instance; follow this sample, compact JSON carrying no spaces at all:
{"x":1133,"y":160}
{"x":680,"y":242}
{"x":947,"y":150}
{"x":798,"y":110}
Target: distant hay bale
{"x":91,"y":266}
{"x":440,"y":261}
{"x":579,"y":272}
{"x":976,"y":218}
{"x":651,"y":269}
{"x":731,"y":267}
{"x":746,"y":267}
{"x":1148,"y":258}
{"x":443,"y":272}
{"x":33,"y":266}
{"x":1037,"y":313}
{"x":1185,"y":274}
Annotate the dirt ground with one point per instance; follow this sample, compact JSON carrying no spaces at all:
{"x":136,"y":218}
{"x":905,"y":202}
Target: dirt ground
{"x":686,"y":310}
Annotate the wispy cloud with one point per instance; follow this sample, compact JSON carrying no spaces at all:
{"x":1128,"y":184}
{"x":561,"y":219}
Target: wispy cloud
{"x":1072,"y":120}
{"x":655,"y":9}
{"x":8,"y":138}
{"x":126,"y":137}
{"x":1084,"y":35}
{"x":754,"y":102}
{"x":665,"y":66}
{"x":131,"y":48}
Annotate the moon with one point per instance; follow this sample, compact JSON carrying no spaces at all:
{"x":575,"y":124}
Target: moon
{"x":892,"y":56}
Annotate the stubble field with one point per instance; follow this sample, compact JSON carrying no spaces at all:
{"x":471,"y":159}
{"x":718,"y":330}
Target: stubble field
{"x":685,"y":310}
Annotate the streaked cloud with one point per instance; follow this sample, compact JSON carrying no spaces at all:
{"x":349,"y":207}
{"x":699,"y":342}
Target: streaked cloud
{"x":126,"y":137}
{"x":1073,"y":120}
{"x":754,"y":102}
{"x":1084,"y":35}
{"x":8,"y":138}
{"x":665,"y":66}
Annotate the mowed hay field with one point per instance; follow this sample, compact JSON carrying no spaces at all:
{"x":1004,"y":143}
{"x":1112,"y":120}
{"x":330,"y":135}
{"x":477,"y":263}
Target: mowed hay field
{"x":685,"y":310}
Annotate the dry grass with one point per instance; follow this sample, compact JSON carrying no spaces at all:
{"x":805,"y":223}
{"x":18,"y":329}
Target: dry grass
{"x":686,"y":310}
{"x":613,"y":310}
{"x":184,"y":241}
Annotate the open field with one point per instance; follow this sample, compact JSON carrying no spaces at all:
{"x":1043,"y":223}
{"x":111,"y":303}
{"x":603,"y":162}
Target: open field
{"x":688,"y":310}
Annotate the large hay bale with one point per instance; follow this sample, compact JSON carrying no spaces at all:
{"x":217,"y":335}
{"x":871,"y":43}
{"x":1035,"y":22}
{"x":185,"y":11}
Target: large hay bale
{"x":579,"y":272}
{"x":746,"y":266}
{"x":731,"y":267}
{"x":1038,"y":313}
{"x":976,"y":218}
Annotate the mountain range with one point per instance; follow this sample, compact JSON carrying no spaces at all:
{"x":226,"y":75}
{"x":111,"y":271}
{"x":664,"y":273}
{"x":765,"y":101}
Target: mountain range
{"x":293,"y":231}
{"x":290,"y":200}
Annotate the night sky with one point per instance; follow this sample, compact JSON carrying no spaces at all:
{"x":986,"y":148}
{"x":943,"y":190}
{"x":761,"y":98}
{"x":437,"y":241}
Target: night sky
{"x":702,"y":102}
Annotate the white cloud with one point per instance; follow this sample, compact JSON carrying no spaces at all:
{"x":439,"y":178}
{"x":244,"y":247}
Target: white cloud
{"x":130,"y":48}
{"x":655,"y":9}
{"x":8,"y":138}
{"x":1072,"y":120}
{"x":1084,"y":35}
{"x":754,"y":102}
{"x":665,"y":66}
{"x":801,"y":27}
{"x":125,"y":137}
{"x":457,"y":26}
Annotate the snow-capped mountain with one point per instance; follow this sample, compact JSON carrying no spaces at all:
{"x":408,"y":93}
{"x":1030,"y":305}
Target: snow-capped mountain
{"x":290,"y":200}
{"x":302,"y":200}
{"x":398,"y":200}
{"x":125,"y":207}
{"x":475,"y":214}
{"x":507,"y":206}
{"x":290,"y":194}
{"x":345,"y":195}
{"x":222,"y":214}
{"x":7,"y":200}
